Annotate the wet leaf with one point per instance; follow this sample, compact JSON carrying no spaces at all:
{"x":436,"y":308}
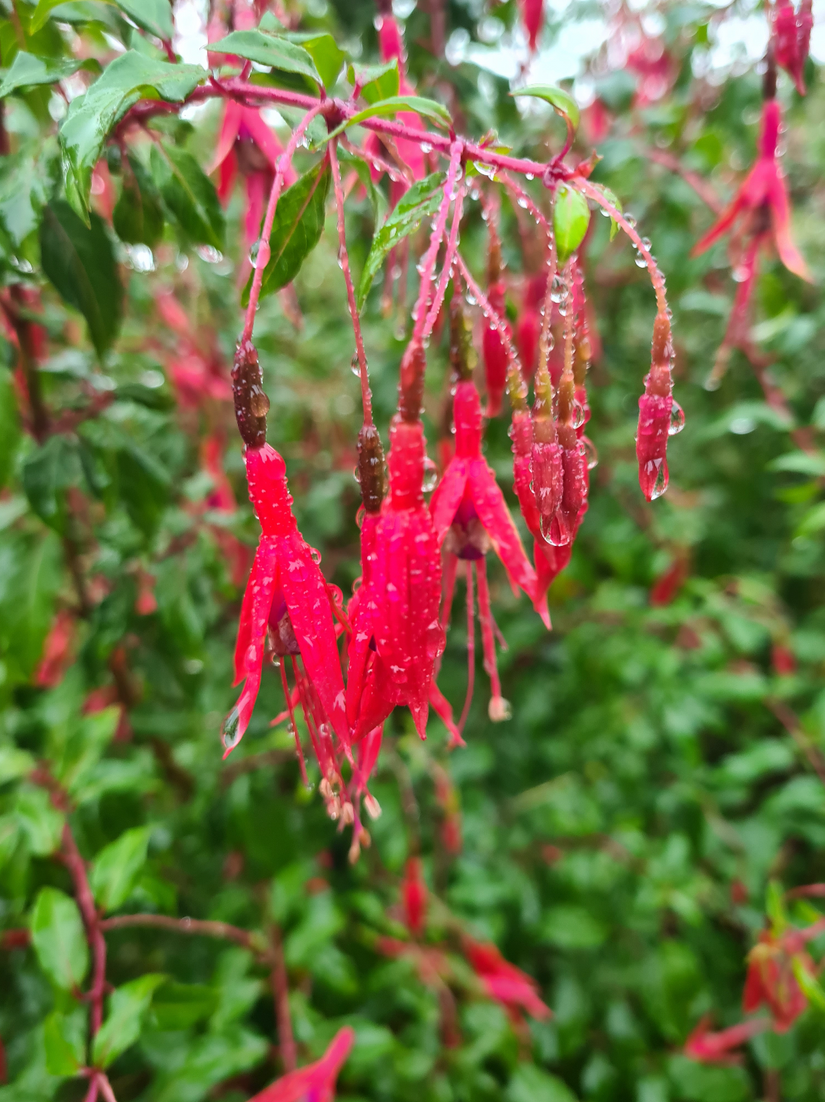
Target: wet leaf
{"x":59,"y":939}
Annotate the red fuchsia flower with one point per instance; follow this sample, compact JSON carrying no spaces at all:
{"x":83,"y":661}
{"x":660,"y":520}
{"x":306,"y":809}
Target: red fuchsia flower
{"x":656,"y":69}
{"x":195,"y":368}
{"x":504,"y":983}
{"x":792,"y":38}
{"x":470,"y":516}
{"x":771,"y":979}
{"x":58,"y":650}
{"x":391,"y":45}
{"x":396,"y":614}
{"x":528,"y":328}
{"x":106,"y":696}
{"x":659,"y":416}
{"x":414,"y":897}
{"x":246,"y":144}
{"x":783,"y":660}
{"x":532,"y":16}
{"x":762,"y":200}
{"x":715,"y":1048}
{"x":668,"y":584}
{"x":494,"y":352}
{"x":146,"y":602}
{"x":315,"y":1082}
{"x":288,"y":605}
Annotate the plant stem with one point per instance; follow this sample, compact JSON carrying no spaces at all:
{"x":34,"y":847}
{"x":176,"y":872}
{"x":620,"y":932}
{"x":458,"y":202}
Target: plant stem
{"x":343,"y":256}
{"x":284,"y":161}
{"x":525,"y":201}
{"x":280,"y":991}
{"x":202,"y":927}
{"x":428,"y":264}
{"x":91,"y":921}
{"x":447,"y":269}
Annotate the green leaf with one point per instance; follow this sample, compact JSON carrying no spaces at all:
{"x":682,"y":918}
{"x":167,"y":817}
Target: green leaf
{"x":9,"y":428}
{"x":299,"y":222}
{"x":154,"y":16}
{"x":138,"y":215}
{"x":64,"y":1038}
{"x":31,"y":572}
{"x":268,"y":49}
{"x":143,"y":486}
{"x":117,"y":868}
{"x":775,"y":907}
{"x":427,"y":108}
{"x":421,"y":201}
{"x":46,"y":475}
{"x":378,"y":82}
{"x":181,"y":1005}
{"x":28,"y":70}
{"x":562,"y":102}
{"x":324,"y":51}
{"x":79,"y":261}
{"x":571,"y":217}
{"x":809,"y":463}
{"x":189,"y":196}
{"x":532,"y":1084}
{"x":613,"y":199}
{"x":42,"y":13}
{"x":39,"y":820}
{"x":26,"y":179}
{"x":14,"y":763}
{"x":810,"y":988}
{"x":129,"y":78}
{"x":59,"y":939}
{"x":127,"y":1008}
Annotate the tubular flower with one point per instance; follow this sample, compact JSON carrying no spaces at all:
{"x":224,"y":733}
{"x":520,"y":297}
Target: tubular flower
{"x":57,"y":650}
{"x":532,"y":15}
{"x":287,"y":603}
{"x":397,"y":609}
{"x":470,"y":516}
{"x":771,"y":977}
{"x":391,"y":45}
{"x":715,"y":1048}
{"x":315,"y":1082}
{"x":762,"y":199}
{"x":495,"y":354}
{"x":503,"y":982}
{"x":414,"y":897}
{"x":246,"y":144}
{"x":792,"y":38}
{"x":659,"y":415}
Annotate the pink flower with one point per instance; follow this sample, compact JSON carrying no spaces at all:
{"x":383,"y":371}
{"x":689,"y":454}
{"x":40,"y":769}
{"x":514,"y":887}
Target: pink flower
{"x":57,"y":650}
{"x":503,"y":982}
{"x":792,"y":38}
{"x":532,"y":16}
{"x":414,"y":897}
{"x":762,"y":200}
{"x":315,"y":1082}
{"x":287,"y":603}
{"x":715,"y":1048}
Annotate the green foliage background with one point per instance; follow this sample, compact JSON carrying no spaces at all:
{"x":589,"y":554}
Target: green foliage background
{"x":644,"y":771}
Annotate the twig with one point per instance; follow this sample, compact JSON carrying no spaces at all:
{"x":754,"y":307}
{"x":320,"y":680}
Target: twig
{"x":702,"y":188}
{"x":428,"y":263}
{"x":790,"y":722}
{"x":91,"y":921}
{"x":280,"y":993}
{"x":447,"y":270}
{"x":202,"y":927}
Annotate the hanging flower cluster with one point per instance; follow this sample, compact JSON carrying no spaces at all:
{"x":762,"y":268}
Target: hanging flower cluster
{"x":345,"y":668}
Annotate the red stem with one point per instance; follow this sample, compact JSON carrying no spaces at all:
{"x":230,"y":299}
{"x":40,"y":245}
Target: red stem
{"x":343,"y":256}
{"x":428,"y":264}
{"x":91,"y":920}
{"x":186,"y":926}
{"x":284,"y":161}
{"x":526,"y":200}
{"x":447,"y":269}
{"x":280,"y":991}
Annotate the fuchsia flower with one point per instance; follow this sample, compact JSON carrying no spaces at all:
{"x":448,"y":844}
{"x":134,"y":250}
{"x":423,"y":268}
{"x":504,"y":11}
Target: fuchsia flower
{"x":715,"y":1048}
{"x":414,"y":897}
{"x":395,"y":616}
{"x":247,"y":144}
{"x":288,"y":605}
{"x":659,"y":415}
{"x":792,"y":38}
{"x":470,"y":516}
{"x":762,"y":200}
{"x":503,"y":982}
{"x":315,"y":1082}
{"x":57,"y":650}
{"x":391,"y":45}
{"x":771,"y":979}
{"x":532,"y":16}
{"x":495,"y":352}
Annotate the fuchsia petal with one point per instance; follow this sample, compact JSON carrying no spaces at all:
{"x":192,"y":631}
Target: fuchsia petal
{"x":721,"y":226}
{"x":265,"y":140}
{"x":305,"y":593}
{"x":257,"y":186}
{"x":495,"y":516}
{"x":258,"y":593}
{"x":781,"y":222}
{"x":444,"y":710}
{"x":230,"y":124}
{"x":447,"y":496}
{"x":316,"y":1082}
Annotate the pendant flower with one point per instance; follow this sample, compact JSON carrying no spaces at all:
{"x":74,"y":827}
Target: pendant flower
{"x":470,"y":516}
{"x":762,"y":200}
{"x":287,"y":601}
{"x":504,"y":983}
{"x":715,"y":1048}
{"x":414,"y":897}
{"x":495,"y":353}
{"x":792,"y":38}
{"x":315,"y":1082}
{"x":771,"y":978}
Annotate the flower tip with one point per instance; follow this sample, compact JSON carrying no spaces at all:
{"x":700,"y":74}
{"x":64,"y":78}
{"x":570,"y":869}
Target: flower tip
{"x":499,"y":709}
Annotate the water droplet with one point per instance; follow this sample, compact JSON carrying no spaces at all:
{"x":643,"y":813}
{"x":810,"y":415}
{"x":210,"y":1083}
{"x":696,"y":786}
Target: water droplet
{"x":425,"y":147}
{"x":660,"y":484}
{"x":577,"y":415}
{"x":677,"y":419}
{"x":356,"y":474}
{"x":555,"y":530}
{"x":262,"y":255}
{"x":646,"y":243}
{"x":430,"y":475}
{"x":259,"y":403}
{"x":229,"y":731}
{"x":315,"y":555}
{"x":522,"y":202}
{"x":355,"y":367}
{"x":359,"y":516}
{"x":631,"y":221}
{"x":590,"y":452}
{"x":639,"y":260}
{"x":529,"y":176}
